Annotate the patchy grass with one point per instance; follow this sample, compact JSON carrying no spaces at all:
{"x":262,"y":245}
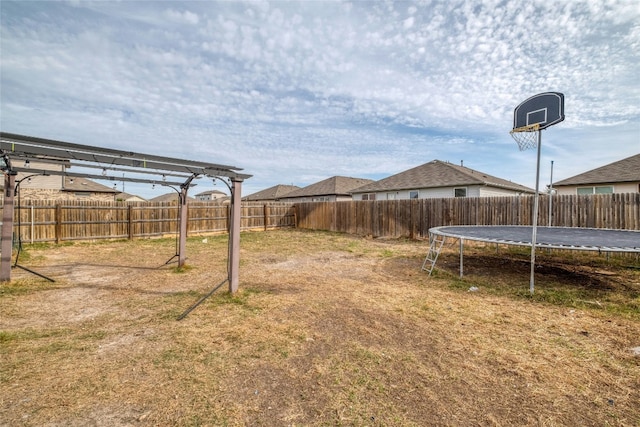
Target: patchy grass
{"x":563,"y":278}
{"x":326,"y":329}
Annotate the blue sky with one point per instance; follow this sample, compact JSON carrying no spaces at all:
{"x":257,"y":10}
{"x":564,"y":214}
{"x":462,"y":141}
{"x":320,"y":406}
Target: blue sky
{"x":296,"y":92}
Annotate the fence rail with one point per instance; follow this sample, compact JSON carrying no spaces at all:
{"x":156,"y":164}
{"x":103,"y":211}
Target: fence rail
{"x":56,"y":221}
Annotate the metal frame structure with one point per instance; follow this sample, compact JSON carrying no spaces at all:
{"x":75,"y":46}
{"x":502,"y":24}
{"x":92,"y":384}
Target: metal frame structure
{"x":154,"y":170}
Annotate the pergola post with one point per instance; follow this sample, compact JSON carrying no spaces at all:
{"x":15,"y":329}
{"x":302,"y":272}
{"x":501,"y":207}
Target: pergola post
{"x":6,"y":246}
{"x":182,"y":245}
{"x":234,"y":234}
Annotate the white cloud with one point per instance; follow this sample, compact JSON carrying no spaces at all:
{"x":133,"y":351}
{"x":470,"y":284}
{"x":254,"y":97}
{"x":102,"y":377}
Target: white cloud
{"x":354,"y":89}
{"x":185,"y":17}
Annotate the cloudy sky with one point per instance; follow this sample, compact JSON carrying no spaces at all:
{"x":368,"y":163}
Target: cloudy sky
{"x":296,"y":92}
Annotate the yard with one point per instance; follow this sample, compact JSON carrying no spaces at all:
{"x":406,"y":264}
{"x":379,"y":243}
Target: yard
{"x":327,"y":329}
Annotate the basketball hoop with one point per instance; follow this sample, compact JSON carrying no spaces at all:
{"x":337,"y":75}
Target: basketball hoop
{"x":526,"y":136}
{"x":529,"y":118}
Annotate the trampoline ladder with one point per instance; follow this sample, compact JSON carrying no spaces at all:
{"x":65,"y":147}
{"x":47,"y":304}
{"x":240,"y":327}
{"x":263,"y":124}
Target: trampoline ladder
{"x":434,"y":250}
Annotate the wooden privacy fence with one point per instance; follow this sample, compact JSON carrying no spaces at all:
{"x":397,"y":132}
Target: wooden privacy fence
{"x":56,"y":221}
{"x":413,"y":218}
{"x":47,"y":221}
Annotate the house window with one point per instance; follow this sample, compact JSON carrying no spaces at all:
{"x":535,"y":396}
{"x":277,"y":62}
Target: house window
{"x":413,"y":194}
{"x":460,"y":192}
{"x":391,"y":196}
{"x":82,"y":194}
{"x":320,"y":199}
{"x":369,"y":196}
{"x":603,"y":189}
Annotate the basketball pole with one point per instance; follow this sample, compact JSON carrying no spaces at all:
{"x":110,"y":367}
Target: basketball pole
{"x":551,"y":195}
{"x":534,"y":220}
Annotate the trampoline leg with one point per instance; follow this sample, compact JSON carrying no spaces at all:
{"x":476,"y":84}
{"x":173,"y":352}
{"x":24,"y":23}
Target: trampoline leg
{"x":461,"y":257}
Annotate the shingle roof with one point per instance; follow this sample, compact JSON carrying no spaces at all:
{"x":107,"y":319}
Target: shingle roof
{"x":210,"y":192}
{"x":128,"y":196}
{"x":439,"y":174}
{"x":169,"y":197}
{"x":336,"y":185}
{"x":86,"y":185}
{"x":624,"y":170}
{"x":272,"y":193}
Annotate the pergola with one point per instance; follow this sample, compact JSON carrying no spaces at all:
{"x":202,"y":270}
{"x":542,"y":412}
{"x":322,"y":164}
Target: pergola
{"x":17,"y":151}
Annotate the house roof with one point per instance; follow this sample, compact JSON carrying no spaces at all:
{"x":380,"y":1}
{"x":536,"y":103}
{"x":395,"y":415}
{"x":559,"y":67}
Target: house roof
{"x":439,"y":174}
{"x":336,"y":185}
{"x":211,"y":192}
{"x":169,"y":197}
{"x":129,"y":197}
{"x":272,"y":193}
{"x":625,"y":170}
{"x":86,"y":185}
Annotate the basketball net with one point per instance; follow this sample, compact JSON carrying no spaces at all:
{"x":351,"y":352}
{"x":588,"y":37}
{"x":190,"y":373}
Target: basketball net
{"x":526,"y":136}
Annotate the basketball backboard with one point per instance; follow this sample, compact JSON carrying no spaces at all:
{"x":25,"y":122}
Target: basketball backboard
{"x":544,"y":109}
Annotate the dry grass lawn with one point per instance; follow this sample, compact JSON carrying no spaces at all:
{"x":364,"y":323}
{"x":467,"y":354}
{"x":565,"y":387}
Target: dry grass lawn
{"x":326,"y":330}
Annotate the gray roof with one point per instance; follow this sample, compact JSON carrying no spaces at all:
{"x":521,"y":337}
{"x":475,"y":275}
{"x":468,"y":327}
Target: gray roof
{"x":211,"y":192}
{"x":86,"y":185}
{"x":128,"y":196}
{"x":336,"y":185}
{"x":272,"y":193}
{"x":625,"y":170}
{"x":169,"y":197}
{"x":439,"y":174}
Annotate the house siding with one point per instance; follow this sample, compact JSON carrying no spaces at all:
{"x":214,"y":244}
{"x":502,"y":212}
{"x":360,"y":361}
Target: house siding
{"x":439,"y":193}
{"x":326,"y":198}
{"x":618,"y":187}
{"x":34,"y":186}
{"x":49,"y":194}
{"x":496,"y":192}
{"x":50,"y":182}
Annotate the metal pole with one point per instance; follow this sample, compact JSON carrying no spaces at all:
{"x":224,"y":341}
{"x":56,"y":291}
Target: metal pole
{"x":182,"y":237}
{"x":461,"y":257}
{"x":551,"y":194}
{"x":534,"y":220}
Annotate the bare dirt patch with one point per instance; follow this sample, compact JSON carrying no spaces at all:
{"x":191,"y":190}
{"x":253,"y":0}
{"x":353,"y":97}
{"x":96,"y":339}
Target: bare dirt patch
{"x":326,"y":330}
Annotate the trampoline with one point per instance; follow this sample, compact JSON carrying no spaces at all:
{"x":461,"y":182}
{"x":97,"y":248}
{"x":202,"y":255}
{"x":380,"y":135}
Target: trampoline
{"x":582,"y":239}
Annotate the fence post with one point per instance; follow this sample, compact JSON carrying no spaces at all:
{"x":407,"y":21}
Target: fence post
{"x":130,"y":221}
{"x":58,"y":229}
{"x":266,"y":216}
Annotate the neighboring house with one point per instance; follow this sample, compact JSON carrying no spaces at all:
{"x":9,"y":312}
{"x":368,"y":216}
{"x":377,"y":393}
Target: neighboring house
{"x":126,"y":197}
{"x":622,"y":176}
{"x":169,"y":198}
{"x":438,"y":179}
{"x":271,"y":194}
{"x":207,"y":196}
{"x":332,"y":189}
{"x":36,"y":186}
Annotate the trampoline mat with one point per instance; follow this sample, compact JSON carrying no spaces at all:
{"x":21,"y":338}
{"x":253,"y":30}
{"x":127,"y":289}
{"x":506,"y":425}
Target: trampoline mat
{"x":599,"y":239}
